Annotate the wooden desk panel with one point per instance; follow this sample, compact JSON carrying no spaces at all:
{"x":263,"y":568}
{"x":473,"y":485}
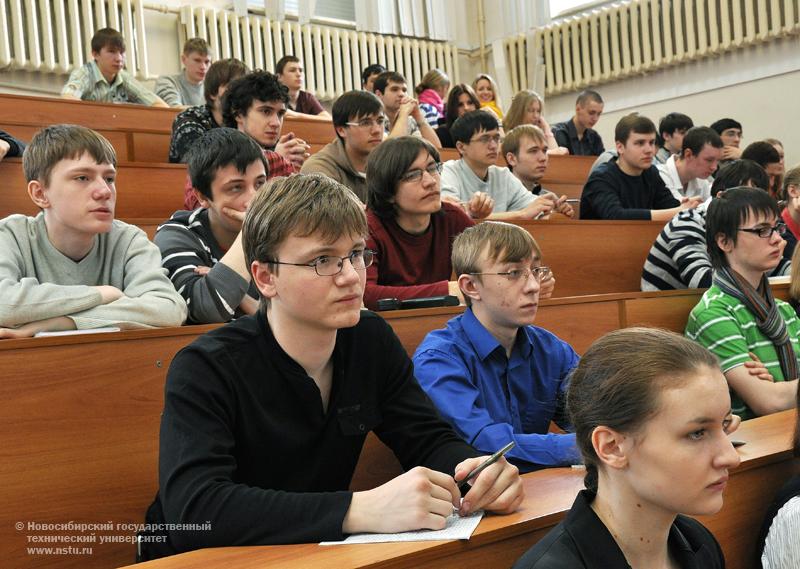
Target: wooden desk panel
{"x":152,"y":191}
{"x":500,"y":540}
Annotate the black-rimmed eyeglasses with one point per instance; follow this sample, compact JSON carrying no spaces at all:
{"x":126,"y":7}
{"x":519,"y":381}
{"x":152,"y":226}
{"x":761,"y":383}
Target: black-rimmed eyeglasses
{"x":766,"y":231}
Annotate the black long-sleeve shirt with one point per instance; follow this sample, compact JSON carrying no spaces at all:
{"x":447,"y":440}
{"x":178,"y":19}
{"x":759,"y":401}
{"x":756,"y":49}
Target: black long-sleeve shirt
{"x":246,"y":445}
{"x":17,"y":146}
{"x":610,"y":193}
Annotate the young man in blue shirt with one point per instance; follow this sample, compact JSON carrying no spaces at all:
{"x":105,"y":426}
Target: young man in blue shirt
{"x":493,"y":375}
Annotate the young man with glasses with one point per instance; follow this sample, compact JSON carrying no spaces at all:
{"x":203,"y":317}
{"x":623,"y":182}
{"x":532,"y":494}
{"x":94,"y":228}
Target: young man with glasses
{"x":359,"y":123}
{"x":410,"y":229}
{"x":493,"y":375}
{"x":264,"y":418}
{"x":202,"y":248}
{"x":467,"y":181}
{"x":738,"y":314}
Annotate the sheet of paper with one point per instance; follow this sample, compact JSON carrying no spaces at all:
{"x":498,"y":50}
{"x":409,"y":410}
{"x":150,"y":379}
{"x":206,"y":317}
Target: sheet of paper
{"x":75,"y":332}
{"x":457,"y":528}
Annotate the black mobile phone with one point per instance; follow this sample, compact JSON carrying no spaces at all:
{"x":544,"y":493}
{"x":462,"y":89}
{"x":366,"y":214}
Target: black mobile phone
{"x":428,"y":302}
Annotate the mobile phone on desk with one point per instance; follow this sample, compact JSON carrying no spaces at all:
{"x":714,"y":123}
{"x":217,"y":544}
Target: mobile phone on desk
{"x":428,"y":302}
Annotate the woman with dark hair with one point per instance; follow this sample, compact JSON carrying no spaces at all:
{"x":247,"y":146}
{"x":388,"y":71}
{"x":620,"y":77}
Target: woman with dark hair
{"x":461,"y":99}
{"x":650,"y":408}
{"x":411,"y":229}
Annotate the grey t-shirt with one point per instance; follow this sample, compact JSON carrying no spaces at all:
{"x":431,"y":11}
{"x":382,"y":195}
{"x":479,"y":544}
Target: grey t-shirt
{"x":502,"y":186}
{"x":177,"y":91}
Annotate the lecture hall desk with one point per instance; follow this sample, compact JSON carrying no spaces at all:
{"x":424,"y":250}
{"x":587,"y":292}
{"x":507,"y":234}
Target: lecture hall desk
{"x":766,"y":463}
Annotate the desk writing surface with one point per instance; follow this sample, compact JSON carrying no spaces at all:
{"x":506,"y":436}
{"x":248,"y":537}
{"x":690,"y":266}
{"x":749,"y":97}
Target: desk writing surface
{"x":499,"y":540}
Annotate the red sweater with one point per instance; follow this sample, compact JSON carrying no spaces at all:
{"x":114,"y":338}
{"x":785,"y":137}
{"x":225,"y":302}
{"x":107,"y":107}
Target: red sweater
{"x":412,"y":266}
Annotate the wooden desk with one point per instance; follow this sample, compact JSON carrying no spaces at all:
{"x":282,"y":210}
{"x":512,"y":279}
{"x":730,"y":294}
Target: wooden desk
{"x":144,"y":190}
{"x":499,"y":540}
{"x":138,"y":133}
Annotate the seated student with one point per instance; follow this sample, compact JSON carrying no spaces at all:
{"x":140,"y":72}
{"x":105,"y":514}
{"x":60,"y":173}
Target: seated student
{"x":264,"y":418}
{"x":359,"y":123}
{"x":629,"y":186}
{"x":202,"y":249}
{"x":255,"y":104}
{"x":289,"y":70}
{"x":475,"y":176}
{"x":186,"y":88}
{"x":767,"y":156}
{"x":679,"y":257}
{"x":738,"y":315}
{"x":369,"y":74}
{"x":730,"y":131}
{"x":652,"y":417}
{"x":526,"y":108}
{"x":776,"y":188}
{"x":525,"y":151}
{"x":10,"y":147}
{"x":461,"y":100}
{"x":411,"y":230}
{"x":73,"y":266}
{"x":671,"y":130}
{"x":791,"y":213}
{"x":577,"y":134}
{"x":404,"y":113}
{"x":493,"y":375}
{"x":778,"y":547}
{"x":431,"y":93}
{"x":104,"y":78}
{"x":688,"y":174}
{"x":488,"y":94}
{"x":190,"y":124}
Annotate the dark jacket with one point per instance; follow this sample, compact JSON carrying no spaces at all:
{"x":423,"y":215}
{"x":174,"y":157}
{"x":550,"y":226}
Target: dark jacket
{"x":581,"y":540}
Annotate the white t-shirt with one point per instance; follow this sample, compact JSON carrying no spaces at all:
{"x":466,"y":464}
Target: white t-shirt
{"x":696,"y":187}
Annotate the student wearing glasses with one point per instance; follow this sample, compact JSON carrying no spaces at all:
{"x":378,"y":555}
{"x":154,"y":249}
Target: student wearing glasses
{"x":738,"y":314}
{"x":359,"y":123}
{"x":410,"y":229}
{"x":469,"y":180}
{"x":265,"y":418}
{"x":493,"y":375}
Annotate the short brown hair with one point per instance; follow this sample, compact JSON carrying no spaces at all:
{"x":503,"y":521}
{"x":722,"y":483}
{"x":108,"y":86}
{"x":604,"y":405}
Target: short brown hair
{"x":196,"y":45}
{"x":512,"y":140}
{"x":221,"y":73}
{"x":284,"y":61}
{"x":60,"y":142}
{"x":633,"y":122}
{"x":494,"y":240}
{"x":619,"y":380}
{"x":302,"y":204}
{"x":107,"y":37}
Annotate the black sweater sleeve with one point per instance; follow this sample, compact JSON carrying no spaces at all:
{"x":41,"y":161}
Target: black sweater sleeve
{"x":602,"y":194}
{"x":411,"y":425}
{"x":17,"y":146}
{"x":197,"y":469}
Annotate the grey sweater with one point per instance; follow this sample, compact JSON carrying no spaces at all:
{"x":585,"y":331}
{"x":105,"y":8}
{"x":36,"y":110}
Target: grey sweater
{"x":38,"y":282}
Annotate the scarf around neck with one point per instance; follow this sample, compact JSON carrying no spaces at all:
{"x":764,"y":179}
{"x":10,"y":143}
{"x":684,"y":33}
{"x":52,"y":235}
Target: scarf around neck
{"x":431,"y":97}
{"x":763,"y":307}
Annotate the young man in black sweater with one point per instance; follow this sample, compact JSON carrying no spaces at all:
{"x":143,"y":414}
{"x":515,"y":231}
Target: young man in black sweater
{"x":264,"y":419}
{"x":629,"y":186}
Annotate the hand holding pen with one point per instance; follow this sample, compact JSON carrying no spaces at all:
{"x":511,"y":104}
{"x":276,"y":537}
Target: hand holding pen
{"x":495,"y":484}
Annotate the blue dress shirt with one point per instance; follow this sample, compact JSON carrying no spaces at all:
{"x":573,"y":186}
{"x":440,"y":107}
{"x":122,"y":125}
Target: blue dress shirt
{"x":491,"y":399}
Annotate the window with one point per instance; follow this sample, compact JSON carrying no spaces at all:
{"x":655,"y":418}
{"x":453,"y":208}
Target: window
{"x":560,"y":8}
{"x":333,"y":9}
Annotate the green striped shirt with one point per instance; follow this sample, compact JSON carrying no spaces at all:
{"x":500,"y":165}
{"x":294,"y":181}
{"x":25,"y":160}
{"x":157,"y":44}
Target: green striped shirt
{"x":723,"y":324}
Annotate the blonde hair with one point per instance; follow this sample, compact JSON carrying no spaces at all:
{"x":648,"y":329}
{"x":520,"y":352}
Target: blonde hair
{"x":60,"y":142}
{"x":495,"y":88}
{"x":519,"y":106}
{"x":433,"y":79}
{"x":492,"y":240}
{"x":791,"y":178}
{"x":302,"y":204}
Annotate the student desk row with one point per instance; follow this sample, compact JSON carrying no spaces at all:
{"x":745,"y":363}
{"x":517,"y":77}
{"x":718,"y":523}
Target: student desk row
{"x":80,"y":414}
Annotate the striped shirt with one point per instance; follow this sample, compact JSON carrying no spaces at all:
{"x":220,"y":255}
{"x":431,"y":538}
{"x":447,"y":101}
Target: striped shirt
{"x":721,"y":323}
{"x":186,"y":242}
{"x":679,"y":257}
{"x":87,"y":83}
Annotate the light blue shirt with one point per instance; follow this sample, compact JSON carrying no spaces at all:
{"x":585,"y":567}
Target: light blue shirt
{"x":490,"y":399}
